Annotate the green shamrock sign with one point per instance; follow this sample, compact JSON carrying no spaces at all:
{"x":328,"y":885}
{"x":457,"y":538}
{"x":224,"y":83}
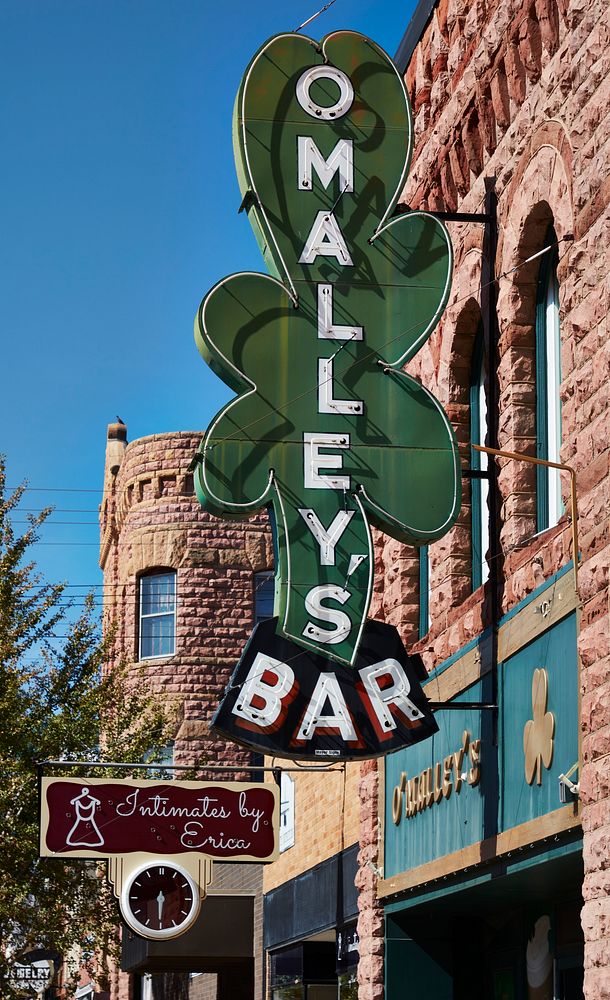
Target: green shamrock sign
{"x":326,"y":428}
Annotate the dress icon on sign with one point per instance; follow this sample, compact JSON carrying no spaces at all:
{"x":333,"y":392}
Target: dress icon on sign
{"x":85,"y":832}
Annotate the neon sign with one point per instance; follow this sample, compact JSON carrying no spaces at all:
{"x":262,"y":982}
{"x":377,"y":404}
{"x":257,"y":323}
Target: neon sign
{"x":326,"y":429}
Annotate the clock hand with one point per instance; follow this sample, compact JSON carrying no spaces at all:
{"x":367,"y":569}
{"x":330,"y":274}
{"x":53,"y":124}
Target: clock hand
{"x":160,"y":902}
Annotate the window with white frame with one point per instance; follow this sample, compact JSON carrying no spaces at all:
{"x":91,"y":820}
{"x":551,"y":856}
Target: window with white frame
{"x":287,"y":829}
{"x":549,"y":505}
{"x":157,"y":625}
{"x":479,"y":487}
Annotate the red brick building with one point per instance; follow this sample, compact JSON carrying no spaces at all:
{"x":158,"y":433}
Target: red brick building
{"x":510,"y":101}
{"x":481,"y":857}
{"x":184,"y":590}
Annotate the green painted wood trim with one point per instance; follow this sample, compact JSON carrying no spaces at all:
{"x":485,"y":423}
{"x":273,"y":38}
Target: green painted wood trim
{"x":562,"y":822}
{"x":474,"y":879}
{"x":535,"y":595}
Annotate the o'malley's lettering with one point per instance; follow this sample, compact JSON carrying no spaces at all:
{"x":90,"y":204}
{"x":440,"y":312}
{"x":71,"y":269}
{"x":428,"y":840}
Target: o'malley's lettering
{"x":432,"y":785}
{"x":322,"y":452}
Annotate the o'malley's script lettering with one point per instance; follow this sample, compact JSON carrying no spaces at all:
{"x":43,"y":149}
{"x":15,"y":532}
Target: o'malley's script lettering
{"x":219,"y":820}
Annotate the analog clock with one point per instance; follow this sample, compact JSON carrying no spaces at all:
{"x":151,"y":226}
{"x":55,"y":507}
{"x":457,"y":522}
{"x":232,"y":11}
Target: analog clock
{"x":160,"y":900}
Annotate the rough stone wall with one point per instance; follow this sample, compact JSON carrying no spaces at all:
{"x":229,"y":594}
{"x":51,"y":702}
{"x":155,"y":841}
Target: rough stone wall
{"x":515,"y":94}
{"x":151,"y":519}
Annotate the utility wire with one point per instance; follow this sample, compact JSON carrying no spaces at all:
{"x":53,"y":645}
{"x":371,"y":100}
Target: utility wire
{"x":313,"y":16}
{"x":367,"y":358}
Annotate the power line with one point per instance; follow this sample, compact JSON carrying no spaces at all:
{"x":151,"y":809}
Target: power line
{"x":365,"y":359}
{"x":49,"y":522}
{"x":58,"y":489}
{"x":57,"y":510}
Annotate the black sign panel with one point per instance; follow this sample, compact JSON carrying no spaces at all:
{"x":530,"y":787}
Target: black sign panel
{"x":289,"y":702}
{"x":347,"y":942}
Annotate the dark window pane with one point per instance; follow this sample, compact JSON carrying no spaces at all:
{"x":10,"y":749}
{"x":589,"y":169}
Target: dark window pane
{"x":158,"y":594}
{"x":263,"y":596}
{"x":157,"y":636}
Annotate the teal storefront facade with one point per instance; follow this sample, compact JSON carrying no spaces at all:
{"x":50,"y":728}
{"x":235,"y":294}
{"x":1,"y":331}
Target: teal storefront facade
{"x":481,"y":834}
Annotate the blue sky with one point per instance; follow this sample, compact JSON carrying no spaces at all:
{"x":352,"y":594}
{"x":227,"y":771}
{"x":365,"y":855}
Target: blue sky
{"x":118,"y":211}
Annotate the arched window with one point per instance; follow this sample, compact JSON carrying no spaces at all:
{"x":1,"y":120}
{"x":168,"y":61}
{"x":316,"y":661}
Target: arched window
{"x":157,"y":622}
{"x":479,"y":488}
{"x":549,"y":504}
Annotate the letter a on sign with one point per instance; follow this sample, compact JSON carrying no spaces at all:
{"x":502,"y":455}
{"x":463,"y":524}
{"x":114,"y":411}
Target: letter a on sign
{"x":326,"y":429}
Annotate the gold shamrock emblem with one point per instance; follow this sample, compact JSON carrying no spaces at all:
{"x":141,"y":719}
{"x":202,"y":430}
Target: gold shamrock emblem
{"x":538,"y":732}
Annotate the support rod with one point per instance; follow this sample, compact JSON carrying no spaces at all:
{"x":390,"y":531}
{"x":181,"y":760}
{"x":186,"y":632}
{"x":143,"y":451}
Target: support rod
{"x":454,"y":706}
{"x":121,"y":765}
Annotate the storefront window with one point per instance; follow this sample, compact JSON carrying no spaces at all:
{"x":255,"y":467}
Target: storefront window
{"x":288,"y":993}
{"x":307,"y":971}
{"x":348,"y":986}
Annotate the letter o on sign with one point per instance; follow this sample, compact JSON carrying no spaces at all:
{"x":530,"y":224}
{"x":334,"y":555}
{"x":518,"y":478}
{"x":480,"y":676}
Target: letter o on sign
{"x":346,"y":92}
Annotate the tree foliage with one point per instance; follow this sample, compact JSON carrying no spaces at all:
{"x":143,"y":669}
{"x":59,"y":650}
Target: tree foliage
{"x":56,"y":703}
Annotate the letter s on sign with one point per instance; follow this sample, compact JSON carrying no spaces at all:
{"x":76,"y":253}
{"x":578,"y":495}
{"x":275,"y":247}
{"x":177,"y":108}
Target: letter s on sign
{"x":340,"y":621}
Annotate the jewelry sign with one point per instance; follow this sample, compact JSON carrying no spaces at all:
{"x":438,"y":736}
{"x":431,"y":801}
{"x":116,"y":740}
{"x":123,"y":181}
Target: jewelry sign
{"x":159,"y":836}
{"x":327,"y":430}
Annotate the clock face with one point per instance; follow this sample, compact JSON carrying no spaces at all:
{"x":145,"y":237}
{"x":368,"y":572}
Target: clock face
{"x":160,"y":900}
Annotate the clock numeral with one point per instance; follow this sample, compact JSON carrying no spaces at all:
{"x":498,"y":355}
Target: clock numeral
{"x":161,"y":871}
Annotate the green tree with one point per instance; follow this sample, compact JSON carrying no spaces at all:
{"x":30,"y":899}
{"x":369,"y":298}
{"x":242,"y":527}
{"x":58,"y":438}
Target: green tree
{"x":57,"y":703}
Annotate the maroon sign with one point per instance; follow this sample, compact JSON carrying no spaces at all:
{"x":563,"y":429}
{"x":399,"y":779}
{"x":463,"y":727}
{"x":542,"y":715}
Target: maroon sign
{"x":222,"y":820}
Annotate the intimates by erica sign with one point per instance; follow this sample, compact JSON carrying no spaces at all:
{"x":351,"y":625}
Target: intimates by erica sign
{"x":326,"y":428}
{"x":228,"y":821}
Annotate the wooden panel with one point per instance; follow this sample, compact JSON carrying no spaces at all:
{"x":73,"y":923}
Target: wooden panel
{"x":452,"y":820}
{"x":460,"y":675}
{"x":554,"y":652}
{"x":539,"y":615}
{"x":553,"y":823}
